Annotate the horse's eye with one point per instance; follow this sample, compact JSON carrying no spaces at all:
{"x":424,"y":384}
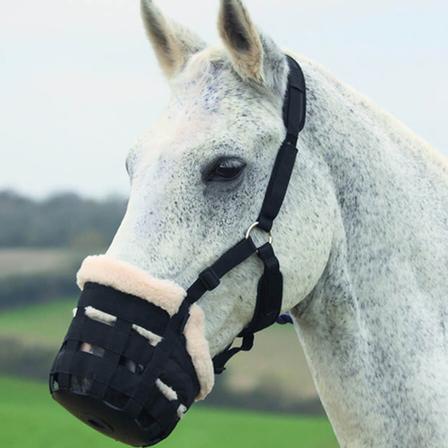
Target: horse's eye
{"x":224,"y":169}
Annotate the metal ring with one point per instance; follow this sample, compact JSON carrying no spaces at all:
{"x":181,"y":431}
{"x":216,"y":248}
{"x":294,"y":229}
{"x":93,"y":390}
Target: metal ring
{"x":255,"y":226}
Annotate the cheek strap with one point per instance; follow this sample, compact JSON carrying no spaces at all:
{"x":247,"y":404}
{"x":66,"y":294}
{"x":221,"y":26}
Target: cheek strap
{"x":269,"y":293}
{"x":270,"y":286}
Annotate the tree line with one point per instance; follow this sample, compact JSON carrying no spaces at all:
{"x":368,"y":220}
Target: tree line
{"x":61,"y":220}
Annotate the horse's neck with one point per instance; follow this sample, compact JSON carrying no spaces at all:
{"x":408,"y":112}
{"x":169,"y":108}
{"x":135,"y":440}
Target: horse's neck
{"x":374,"y":328}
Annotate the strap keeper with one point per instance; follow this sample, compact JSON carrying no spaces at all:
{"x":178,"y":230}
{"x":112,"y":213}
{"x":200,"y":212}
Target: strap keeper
{"x":209,"y":279}
{"x":291,"y":140}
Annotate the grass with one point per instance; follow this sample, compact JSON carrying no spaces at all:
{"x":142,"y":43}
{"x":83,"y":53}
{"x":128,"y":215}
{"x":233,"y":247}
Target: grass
{"x":42,"y":325}
{"x":30,"y":419}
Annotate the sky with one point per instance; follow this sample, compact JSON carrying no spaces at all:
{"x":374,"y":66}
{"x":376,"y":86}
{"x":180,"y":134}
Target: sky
{"x":79,"y":82}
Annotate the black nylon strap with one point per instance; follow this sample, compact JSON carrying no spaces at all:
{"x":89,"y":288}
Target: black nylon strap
{"x":220,"y":361}
{"x":210,"y":278}
{"x":269,"y":293}
{"x":294,"y":113}
{"x":278,"y":186}
{"x":267,"y":308}
{"x":130,"y":308}
{"x":161,"y":354}
{"x":294,"y":106}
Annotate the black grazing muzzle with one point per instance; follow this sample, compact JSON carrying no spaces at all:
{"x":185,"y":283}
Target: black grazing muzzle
{"x":115,"y":373}
{"x":131,"y":368}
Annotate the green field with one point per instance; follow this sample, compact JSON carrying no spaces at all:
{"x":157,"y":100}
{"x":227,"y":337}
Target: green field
{"x":30,"y":419}
{"x":41,"y":325}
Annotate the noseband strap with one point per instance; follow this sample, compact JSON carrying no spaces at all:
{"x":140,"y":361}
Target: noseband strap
{"x":270,"y":286}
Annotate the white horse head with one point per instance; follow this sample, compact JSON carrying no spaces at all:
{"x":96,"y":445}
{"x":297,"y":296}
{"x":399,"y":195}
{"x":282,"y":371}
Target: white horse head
{"x":199,"y":175}
{"x":362,"y":236}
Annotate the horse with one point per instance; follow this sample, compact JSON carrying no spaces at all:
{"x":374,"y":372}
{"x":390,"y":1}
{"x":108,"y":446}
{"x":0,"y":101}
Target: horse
{"x":362,"y":237}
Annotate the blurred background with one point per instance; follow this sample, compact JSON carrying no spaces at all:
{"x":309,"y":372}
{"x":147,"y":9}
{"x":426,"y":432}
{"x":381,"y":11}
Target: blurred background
{"x":79,"y":84}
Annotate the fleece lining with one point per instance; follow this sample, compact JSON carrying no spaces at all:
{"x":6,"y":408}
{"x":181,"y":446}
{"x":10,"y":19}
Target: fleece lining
{"x":124,"y":277}
{"x":197,"y":347}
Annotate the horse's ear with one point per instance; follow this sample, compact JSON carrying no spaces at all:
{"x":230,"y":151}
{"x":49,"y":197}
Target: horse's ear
{"x":172,"y":43}
{"x":254,"y":56}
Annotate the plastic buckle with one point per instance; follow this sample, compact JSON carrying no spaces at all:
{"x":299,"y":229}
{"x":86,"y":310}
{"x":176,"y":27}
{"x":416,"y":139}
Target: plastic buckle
{"x":209,"y":279}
